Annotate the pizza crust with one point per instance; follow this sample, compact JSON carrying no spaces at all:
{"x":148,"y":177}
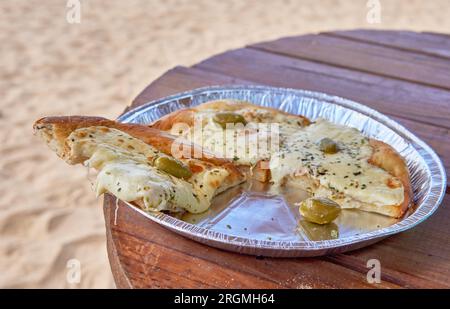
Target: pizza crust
{"x":385,"y":157}
{"x":186,"y":116}
{"x":55,"y":130}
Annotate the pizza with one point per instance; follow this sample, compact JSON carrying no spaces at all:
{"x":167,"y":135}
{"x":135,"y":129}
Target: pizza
{"x":324,"y":159}
{"x":182,"y":161}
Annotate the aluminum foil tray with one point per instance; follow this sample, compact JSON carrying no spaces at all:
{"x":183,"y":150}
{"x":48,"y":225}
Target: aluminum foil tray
{"x":248,"y":220}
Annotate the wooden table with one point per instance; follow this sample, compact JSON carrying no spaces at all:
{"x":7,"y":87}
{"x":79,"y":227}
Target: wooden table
{"x":404,"y":75}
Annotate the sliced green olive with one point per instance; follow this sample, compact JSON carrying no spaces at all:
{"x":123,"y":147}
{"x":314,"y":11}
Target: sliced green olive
{"x":327,"y":145}
{"x":172,"y":167}
{"x":223,"y":118}
{"x":319,"y":210}
{"x":318,"y":232}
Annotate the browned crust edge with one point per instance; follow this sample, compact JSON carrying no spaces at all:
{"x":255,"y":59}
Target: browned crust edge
{"x":55,"y":130}
{"x":385,"y":157}
{"x":186,"y":115}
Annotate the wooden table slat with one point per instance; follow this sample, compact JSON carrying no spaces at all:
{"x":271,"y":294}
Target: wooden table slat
{"x":180,"y":264}
{"x":181,"y":79}
{"x":365,"y":57}
{"x":426,"y":43}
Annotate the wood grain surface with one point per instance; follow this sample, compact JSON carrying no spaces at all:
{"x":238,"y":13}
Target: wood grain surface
{"x":404,"y":75}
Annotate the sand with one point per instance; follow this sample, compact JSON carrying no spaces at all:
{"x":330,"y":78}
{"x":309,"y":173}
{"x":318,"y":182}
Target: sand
{"x":48,"y":212}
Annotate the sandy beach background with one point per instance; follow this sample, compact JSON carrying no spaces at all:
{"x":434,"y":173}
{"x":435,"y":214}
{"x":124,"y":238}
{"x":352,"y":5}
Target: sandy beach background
{"x":48,"y":212}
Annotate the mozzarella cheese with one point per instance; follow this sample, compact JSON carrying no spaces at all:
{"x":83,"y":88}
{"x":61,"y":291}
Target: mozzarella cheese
{"x":296,"y":159}
{"x":125,"y":170}
{"x":246,"y":145}
{"x":346,"y":176}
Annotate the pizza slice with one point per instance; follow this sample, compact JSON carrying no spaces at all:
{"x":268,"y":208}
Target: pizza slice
{"x":339,"y":163}
{"x":135,"y":163}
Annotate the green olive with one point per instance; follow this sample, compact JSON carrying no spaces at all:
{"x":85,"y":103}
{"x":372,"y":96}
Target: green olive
{"x":223,"y":118}
{"x":318,"y":232}
{"x":319,"y":210}
{"x":172,"y":167}
{"x":327,"y":145}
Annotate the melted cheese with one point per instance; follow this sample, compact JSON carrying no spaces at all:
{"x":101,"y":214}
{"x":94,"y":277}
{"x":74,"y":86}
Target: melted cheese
{"x":346,"y":176}
{"x":245,"y":145}
{"x":125,"y":170}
